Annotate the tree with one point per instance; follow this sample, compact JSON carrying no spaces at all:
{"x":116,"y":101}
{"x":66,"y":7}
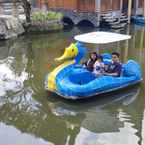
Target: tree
{"x":27,"y":9}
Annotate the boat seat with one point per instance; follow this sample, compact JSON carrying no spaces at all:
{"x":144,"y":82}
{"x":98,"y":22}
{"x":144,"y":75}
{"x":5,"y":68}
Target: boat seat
{"x":106,"y":58}
{"x":131,"y":69}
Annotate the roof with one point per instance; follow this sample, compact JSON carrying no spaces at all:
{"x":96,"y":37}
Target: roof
{"x":101,"y":37}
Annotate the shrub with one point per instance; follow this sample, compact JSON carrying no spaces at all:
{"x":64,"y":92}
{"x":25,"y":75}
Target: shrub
{"x":46,"y":16}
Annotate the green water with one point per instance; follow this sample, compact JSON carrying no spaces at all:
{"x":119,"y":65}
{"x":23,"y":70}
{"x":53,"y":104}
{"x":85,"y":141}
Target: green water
{"x":30,"y":116}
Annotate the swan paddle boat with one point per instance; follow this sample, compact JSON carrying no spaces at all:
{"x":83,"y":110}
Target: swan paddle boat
{"x":140,"y":20}
{"x":71,"y":80}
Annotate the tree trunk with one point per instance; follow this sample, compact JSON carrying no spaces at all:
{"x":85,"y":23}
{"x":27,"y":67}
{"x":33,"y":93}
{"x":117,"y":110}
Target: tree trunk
{"x":27,"y":9}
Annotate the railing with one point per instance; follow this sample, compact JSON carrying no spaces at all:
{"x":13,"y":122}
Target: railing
{"x":8,"y":8}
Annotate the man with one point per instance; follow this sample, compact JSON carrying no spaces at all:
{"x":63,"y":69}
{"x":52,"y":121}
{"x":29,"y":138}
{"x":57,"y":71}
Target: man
{"x":114,"y":69}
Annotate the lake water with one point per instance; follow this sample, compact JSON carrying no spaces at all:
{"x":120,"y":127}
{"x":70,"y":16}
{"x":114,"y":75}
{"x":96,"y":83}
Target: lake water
{"x":31,"y":116}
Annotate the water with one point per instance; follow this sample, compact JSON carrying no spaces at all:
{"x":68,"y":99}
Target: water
{"x":30,"y":116}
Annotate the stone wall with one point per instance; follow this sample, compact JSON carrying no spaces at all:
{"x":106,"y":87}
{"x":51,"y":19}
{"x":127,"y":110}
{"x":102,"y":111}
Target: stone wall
{"x":44,"y":27}
{"x":10,"y":27}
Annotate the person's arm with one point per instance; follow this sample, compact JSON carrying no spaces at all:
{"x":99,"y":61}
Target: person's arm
{"x":116,"y":72}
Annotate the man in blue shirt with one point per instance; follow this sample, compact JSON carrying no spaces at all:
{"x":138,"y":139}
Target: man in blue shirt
{"x":114,"y":69}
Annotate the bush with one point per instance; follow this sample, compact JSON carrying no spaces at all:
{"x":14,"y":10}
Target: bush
{"x":46,"y":16}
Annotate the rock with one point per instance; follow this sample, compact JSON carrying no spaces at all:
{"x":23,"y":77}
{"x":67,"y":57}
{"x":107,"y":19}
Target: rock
{"x":10,"y":27}
{"x":44,"y":27}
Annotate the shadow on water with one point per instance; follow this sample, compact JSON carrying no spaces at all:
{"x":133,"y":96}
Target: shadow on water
{"x":95,"y":119}
{"x":127,"y":95}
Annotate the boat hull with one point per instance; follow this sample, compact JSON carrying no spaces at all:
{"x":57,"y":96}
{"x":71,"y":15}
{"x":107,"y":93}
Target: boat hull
{"x":96,"y":94}
{"x":78,"y":83}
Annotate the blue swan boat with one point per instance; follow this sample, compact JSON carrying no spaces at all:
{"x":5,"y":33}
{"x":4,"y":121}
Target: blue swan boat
{"x":140,"y":20}
{"x":71,"y":81}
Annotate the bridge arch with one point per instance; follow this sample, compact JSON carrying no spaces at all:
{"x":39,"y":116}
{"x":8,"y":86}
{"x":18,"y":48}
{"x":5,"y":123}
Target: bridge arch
{"x":67,"y":21}
{"x":75,"y":18}
{"x":85,"y":22}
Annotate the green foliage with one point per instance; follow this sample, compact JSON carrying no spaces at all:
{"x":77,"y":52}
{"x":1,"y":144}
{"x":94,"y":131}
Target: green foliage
{"x":46,"y":16}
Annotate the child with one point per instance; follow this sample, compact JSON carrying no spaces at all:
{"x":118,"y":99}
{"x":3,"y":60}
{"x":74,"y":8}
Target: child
{"x":99,"y":66}
{"x":89,"y":65}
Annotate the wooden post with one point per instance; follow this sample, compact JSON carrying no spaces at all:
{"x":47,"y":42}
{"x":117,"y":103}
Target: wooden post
{"x":136,"y":7}
{"x":121,"y":5}
{"x":144,"y":9}
{"x":14,"y":8}
{"x":98,"y":10}
{"x":141,"y":47}
{"x":127,"y":45}
{"x":1,"y":8}
{"x":129,"y":10}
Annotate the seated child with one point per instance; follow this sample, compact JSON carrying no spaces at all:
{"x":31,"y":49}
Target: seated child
{"x":99,"y":66}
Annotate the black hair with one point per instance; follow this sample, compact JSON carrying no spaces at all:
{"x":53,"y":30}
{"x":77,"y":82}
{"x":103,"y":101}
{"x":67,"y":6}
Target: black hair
{"x":94,"y":53}
{"x":116,"y":53}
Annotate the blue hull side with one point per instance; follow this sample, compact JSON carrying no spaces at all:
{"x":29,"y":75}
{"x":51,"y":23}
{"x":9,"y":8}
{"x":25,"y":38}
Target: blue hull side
{"x":75,"y":82}
{"x":98,"y":93}
{"x":97,"y":86}
{"x":78,"y":83}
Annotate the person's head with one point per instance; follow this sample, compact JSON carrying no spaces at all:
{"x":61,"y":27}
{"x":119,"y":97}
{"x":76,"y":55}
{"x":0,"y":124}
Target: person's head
{"x":115,"y":56}
{"x":99,"y":58}
{"x":93,"y":55}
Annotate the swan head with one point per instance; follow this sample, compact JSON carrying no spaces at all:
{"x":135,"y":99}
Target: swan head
{"x":74,"y":51}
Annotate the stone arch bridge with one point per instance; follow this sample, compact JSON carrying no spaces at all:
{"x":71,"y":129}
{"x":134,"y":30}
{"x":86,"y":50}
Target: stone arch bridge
{"x":77,"y":17}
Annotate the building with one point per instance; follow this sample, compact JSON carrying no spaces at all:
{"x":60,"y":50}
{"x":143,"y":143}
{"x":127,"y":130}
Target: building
{"x":92,"y":5}
{"x":89,"y":10}
{"x":75,"y":8}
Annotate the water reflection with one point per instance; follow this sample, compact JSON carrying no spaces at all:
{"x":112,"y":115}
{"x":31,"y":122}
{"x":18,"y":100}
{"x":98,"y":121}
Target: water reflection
{"x":23,"y":138}
{"x":31,"y":114}
{"x":98,"y":124}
